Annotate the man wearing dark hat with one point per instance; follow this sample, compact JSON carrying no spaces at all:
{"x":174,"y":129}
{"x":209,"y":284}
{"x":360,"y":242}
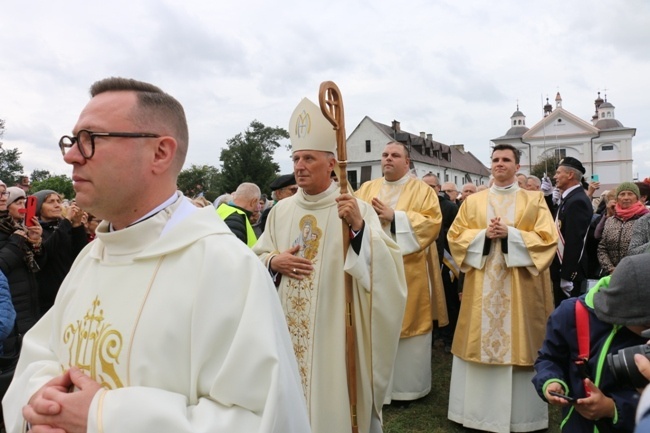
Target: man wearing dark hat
{"x":281,"y":188}
{"x":572,"y":218}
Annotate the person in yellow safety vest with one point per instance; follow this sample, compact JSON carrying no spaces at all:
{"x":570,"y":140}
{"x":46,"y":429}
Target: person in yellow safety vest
{"x":236,"y":214}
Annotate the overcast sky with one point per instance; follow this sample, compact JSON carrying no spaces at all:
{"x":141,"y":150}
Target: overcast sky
{"x":454,"y":68}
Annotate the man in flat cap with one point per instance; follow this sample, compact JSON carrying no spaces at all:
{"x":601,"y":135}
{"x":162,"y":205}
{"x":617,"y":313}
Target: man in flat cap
{"x":302,"y":247}
{"x":281,"y":188}
{"x":572,"y":218}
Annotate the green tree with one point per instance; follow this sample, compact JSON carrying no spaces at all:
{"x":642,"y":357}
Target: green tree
{"x":59,"y":183}
{"x":197,"y":179}
{"x":39,"y":175}
{"x":249,"y":157}
{"x":10,"y":167}
{"x":545,"y":165}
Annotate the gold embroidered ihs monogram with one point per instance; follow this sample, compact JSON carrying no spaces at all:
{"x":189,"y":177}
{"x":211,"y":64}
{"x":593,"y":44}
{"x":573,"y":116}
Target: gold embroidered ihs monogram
{"x":94,"y":347}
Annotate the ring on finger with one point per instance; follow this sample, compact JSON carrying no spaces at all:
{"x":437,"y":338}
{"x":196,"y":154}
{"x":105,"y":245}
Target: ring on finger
{"x":295,"y":271}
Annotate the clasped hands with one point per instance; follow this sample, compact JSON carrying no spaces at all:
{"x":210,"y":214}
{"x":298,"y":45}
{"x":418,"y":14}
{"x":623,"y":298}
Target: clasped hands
{"x":56,"y":409}
{"x":497,"y":229}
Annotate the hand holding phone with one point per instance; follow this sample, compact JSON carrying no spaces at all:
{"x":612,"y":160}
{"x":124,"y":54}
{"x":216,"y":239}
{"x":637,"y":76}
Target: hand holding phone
{"x":562,"y":396}
{"x":30,"y":210}
{"x":594,"y":177}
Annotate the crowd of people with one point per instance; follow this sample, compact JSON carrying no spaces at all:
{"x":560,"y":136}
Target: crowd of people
{"x":311,"y":311}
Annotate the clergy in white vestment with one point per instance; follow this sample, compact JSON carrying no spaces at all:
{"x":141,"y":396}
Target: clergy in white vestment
{"x":410,"y":214}
{"x":302,"y":246}
{"x":166,"y":322}
{"x":504,"y":239}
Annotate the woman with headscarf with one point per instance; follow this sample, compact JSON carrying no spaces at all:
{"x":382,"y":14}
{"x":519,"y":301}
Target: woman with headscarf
{"x":63,"y":239}
{"x":617,"y":231}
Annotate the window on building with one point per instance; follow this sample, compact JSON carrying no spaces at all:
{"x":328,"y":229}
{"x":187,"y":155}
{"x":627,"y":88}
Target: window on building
{"x":446,"y":177}
{"x":366,"y":173}
{"x":456,"y":180}
{"x":352,"y":179}
{"x":560,"y":153}
{"x":367,"y":146}
{"x":608,"y":147}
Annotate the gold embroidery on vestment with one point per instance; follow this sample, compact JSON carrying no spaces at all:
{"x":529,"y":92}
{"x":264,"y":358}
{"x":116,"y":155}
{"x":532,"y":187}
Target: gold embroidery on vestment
{"x":301,"y":299}
{"x":496,"y":336}
{"x":94,"y":347}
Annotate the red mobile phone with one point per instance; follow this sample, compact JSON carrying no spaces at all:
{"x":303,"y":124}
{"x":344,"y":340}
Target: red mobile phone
{"x":30,"y":210}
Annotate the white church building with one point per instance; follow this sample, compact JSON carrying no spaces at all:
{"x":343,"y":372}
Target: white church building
{"x":604,"y":145}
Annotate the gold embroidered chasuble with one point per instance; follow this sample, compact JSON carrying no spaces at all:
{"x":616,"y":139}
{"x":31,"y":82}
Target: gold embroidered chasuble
{"x":163,"y":314}
{"x":507,"y":298}
{"x":315,"y":306}
{"x":419,"y":203}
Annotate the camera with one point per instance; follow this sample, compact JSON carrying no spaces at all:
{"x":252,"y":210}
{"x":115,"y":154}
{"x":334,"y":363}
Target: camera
{"x":624,"y":368}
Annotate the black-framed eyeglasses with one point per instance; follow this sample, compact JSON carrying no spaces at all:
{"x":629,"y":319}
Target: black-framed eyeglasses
{"x":85,"y":140}
{"x":3,"y":193}
{"x":449,"y":190}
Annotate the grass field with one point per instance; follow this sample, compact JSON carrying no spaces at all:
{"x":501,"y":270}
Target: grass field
{"x":429,"y":414}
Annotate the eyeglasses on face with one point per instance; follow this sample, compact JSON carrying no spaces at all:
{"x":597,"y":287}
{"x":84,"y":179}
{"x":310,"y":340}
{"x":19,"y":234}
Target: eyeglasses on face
{"x":449,"y":190}
{"x":4,"y":194}
{"x":85,"y":140}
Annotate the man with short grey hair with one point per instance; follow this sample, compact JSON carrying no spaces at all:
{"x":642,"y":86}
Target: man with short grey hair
{"x":533,"y":183}
{"x":468,"y":189}
{"x":450,"y":189}
{"x":303,"y":247}
{"x":572,"y":218}
{"x":237,"y":214}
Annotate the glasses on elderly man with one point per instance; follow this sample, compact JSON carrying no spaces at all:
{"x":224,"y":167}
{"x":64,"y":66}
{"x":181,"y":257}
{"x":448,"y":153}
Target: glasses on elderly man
{"x":85,"y":140}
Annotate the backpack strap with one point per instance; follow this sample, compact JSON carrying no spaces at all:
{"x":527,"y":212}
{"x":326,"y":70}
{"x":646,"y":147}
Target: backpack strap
{"x":582,"y":331}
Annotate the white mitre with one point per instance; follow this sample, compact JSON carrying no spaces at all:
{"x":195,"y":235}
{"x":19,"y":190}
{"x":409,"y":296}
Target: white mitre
{"x":310,"y":130}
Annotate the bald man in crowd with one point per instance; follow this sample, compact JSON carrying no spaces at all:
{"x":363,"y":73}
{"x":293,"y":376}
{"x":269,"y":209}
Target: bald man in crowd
{"x":237,"y":214}
{"x":468,"y":189}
